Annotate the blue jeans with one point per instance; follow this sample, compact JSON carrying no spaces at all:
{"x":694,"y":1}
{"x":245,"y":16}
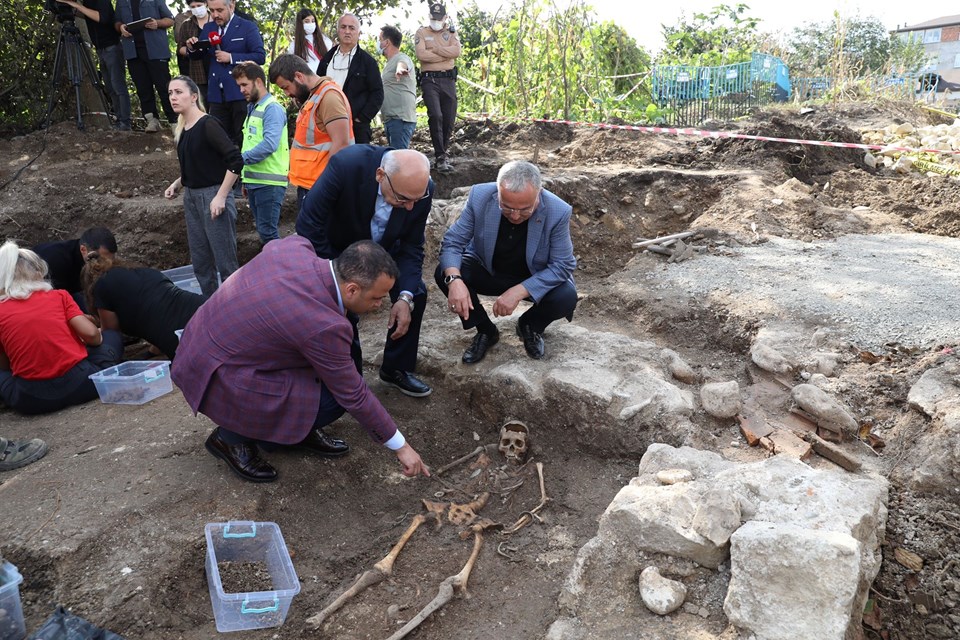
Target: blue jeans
{"x":399,"y":133}
{"x":265,"y":201}
{"x":113,"y":68}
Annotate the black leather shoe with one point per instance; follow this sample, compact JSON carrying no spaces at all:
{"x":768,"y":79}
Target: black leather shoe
{"x":532,"y":341}
{"x":323,"y":445}
{"x":478,"y":348}
{"x":408,"y":383}
{"x":243,"y":459}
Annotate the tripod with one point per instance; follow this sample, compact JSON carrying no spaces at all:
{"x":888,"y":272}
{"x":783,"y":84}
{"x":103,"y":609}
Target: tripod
{"x":73,"y":52}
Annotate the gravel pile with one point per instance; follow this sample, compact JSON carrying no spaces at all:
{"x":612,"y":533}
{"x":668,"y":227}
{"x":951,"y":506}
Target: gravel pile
{"x":876,"y":289}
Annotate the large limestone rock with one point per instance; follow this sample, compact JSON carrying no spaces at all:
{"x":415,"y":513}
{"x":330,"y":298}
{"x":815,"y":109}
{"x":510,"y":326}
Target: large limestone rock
{"x":615,"y":393}
{"x":796,"y":540}
{"x":933,"y":463}
{"x":790,"y":582}
{"x":935,"y":385}
{"x":829,"y":413}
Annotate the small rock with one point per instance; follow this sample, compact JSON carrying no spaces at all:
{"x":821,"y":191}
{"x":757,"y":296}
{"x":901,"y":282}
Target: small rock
{"x":661,"y":595}
{"x":674,"y":476}
{"x":939,"y":631}
{"x":721,"y":399}
{"x":393,"y":612}
{"x":679,"y":369}
{"x":922,"y":610}
{"x":908,"y":559}
{"x":870,"y":160}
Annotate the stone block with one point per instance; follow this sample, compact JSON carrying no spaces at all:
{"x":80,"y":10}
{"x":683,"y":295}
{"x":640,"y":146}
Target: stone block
{"x":660,"y":595}
{"x":828,"y":412}
{"x":721,"y":399}
{"x":789,"y":582}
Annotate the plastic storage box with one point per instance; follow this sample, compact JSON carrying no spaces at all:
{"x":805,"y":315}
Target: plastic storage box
{"x":184,"y":278}
{"x":244,"y":541}
{"x":11,"y":613}
{"x":134,"y":382}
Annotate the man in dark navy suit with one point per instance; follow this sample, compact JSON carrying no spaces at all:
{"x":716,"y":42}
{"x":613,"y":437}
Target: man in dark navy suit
{"x":369,"y":192}
{"x":240,"y":41}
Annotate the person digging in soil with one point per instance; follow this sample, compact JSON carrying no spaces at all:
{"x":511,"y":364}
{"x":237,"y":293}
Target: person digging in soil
{"x":270,"y":358}
{"x":16,"y":454}
{"x":65,"y":259}
{"x":138,"y":301}
{"x":48,"y":347}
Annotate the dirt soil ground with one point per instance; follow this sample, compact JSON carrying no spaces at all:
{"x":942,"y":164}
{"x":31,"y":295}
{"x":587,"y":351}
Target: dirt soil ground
{"x":110,"y":524}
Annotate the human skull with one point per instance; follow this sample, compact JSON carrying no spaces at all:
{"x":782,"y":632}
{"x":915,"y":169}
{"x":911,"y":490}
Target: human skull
{"x":514,"y":441}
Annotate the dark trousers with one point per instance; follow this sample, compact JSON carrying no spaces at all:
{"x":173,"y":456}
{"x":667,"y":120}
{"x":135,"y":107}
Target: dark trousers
{"x":230,"y":115}
{"x":440,"y":97}
{"x":150,"y":75}
{"x":399,"y":354}
{"x":73,"y":387}
{"x":361,"y":132}
{"x":560,"y":302}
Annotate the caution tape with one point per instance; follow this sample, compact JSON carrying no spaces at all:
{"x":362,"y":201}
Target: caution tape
{"x":687,"y":131}
{"x":935,"y":167}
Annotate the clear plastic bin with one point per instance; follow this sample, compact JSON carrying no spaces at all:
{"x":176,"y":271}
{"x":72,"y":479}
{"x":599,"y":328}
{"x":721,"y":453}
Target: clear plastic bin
{"x":11,"y":613}
{"x":134,"y":382}
{"x":244,"y":541}
{"x":184,"y":278}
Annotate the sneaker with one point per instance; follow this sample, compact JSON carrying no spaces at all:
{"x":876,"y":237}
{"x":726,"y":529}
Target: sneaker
{"x":444,"y":166}
{"x":14,"y":455}
{"x":153,"y":124}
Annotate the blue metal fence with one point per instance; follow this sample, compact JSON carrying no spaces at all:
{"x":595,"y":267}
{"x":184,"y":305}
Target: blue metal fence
{"x":690,"y":94}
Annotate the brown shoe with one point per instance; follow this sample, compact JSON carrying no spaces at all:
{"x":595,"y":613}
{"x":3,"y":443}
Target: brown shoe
{"x":243,"y":459}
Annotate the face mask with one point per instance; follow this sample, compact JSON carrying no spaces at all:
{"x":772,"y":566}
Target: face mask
{"x":382,"y":50}
{"x":199,"y":12}
{"x":309,"y":28}
{"x":436,"y":25}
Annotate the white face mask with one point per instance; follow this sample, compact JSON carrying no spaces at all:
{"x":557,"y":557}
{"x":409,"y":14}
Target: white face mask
{"x":436,"y":25}
{"x":200,"y":12}
{"x":309,"y":28}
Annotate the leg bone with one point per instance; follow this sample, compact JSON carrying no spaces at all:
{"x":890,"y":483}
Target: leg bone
{"x":454,"y":584}
{"x":380,"y":572}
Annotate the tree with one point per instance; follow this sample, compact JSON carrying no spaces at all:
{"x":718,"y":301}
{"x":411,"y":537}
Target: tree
{"x":859,"y":45}
{"x":724,"y":35}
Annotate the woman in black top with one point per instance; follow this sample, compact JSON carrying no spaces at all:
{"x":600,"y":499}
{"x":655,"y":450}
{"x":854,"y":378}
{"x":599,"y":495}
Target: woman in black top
{"x":138,"y":301}
{"x":209,"y":165}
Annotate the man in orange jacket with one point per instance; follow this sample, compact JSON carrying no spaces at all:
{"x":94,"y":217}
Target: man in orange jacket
{"x":324,"y":125}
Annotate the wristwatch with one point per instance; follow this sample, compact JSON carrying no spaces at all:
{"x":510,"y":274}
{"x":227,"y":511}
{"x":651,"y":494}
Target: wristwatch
{"x":406,"y":297}
{"x":448,"y":280}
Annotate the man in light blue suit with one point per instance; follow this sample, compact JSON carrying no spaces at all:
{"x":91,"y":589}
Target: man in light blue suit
{"x":512,"y":241}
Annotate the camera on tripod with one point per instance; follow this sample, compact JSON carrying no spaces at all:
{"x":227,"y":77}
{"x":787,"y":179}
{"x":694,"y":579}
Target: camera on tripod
{"x":62,"y":12}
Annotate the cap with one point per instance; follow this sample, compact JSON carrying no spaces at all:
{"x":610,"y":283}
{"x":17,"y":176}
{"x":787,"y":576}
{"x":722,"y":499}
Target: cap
{"x":437,"y":11}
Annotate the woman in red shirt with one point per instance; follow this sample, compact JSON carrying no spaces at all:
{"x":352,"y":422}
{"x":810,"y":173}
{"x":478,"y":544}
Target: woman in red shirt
{"x":48,"y":348}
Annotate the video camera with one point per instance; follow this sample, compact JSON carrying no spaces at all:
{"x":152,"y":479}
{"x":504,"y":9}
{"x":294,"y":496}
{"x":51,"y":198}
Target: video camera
{"x":62,"y":12}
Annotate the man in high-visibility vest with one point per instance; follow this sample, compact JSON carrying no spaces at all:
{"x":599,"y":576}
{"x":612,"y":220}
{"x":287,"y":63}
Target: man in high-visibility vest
{"x":266,"y":151}
{"x":324,"y":124}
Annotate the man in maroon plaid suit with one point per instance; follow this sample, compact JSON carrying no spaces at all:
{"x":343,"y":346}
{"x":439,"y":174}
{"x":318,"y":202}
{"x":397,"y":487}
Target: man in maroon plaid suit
{"x":268,"y":358}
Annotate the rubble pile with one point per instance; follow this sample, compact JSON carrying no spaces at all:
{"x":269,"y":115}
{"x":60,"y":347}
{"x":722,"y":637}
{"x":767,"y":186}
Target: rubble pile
{"x":894,"y":137}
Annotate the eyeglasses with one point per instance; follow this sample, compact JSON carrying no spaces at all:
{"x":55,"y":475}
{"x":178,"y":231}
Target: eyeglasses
{"x":519,"y":212}
{"x":402,"y":199}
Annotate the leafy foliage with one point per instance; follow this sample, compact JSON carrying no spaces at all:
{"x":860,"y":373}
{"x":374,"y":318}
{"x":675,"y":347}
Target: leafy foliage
{"x":533,"y":58}
{"x":724,"y":35}
{"x":858,"y":45}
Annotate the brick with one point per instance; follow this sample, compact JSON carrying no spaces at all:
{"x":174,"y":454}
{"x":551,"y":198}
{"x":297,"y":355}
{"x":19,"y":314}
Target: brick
{"x":786,"y":442}
{"x":753,"y":428}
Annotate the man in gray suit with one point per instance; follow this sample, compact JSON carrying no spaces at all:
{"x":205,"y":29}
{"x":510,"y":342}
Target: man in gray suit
{"x":512,"y":241}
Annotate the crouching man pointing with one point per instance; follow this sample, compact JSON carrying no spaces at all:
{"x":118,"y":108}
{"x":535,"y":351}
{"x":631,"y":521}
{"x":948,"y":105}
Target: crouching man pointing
{"x":268,"y":357}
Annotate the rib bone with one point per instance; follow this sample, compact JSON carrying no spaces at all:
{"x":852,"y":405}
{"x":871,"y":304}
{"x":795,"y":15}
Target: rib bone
{"x":380,"y":572}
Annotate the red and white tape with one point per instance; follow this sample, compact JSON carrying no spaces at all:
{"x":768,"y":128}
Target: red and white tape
{"x":725,"y":134}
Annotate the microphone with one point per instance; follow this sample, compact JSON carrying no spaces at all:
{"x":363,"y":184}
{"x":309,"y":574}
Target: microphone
{"x":215,"y":39}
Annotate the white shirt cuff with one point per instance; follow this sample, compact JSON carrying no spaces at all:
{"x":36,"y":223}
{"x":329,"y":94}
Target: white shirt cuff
{"x":396,"y":442}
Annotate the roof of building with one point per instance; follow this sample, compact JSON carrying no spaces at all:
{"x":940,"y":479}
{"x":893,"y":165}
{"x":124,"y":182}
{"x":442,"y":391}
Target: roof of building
{"x":945,"y":21}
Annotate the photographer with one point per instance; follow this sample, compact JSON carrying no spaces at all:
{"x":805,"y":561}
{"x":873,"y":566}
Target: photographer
{"x":100,"y":24}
